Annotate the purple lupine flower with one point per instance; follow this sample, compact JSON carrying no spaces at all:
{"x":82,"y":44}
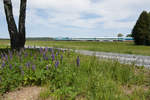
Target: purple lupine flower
{"x":10,"y":66}
{"x":2,"y":55}
{"x":10,"y":54}
{"x":53,"y":57}
{"x":56,"y":63}
{"x":26,"y":54}
{"x":56,"y":54}
{"x":6,"y":57}
{"x":46,"y":58}
{"x":41,"y":50}
{"x":44,"y":55}
{"x":3,"y":64}
{"x":50,"y":49}
{"x":78,"y":61}
{"x":28,"y":64}
{"x":46,"y":49}
{"x":33,"y":67}
{"x":63,"y":51}
{"x":47,"y":67}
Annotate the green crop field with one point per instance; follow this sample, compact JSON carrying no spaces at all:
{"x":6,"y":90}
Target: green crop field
{"x":67,"y":75}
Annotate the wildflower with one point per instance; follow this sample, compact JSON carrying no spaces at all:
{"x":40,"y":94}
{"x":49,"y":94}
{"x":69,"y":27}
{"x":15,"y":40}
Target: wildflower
{"x":2,"y":55}
{"x":6,"y":57}
{"x":33,"y":67}
{"x":3,"y":64}
{"x":50,"y":49}
{"x":63,"y":51}
{"x":78,"y":61}
{"x":10,"y":54}
{"x":47,"y":67}
{"x":56,"y":54}
{"x":26,"y":54}
{"x":45,"y":57}
{"x":46,"y":49}
{"x":28,"y":64}
{"x":41,"y":50}
{"x":53,"y":57}
{"x":56,"y":63}
{"x":61,"y":58}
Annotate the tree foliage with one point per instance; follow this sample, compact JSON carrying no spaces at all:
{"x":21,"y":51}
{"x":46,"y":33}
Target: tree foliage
{"x":120,"y":35}
{"x":129,"y":35}
{"x":141,"y":30}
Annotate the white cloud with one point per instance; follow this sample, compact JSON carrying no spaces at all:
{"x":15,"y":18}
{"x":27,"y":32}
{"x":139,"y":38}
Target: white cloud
{"x":60,"y":13}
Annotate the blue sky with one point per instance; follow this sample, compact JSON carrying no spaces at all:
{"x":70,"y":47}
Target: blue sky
{"x":77,"y":18}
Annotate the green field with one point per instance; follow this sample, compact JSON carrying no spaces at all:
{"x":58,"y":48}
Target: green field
{"x":117,"y":47}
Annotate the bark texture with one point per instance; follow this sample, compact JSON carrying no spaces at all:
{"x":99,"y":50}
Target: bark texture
{"x":17,"y":36}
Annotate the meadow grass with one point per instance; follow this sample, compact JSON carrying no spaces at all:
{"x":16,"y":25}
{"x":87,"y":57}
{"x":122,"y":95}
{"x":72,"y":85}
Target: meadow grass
{"x":115,"y":47}
{"x":67,"y":75}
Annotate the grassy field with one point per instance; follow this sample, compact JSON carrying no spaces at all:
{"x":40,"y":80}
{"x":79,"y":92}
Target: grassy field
{"x":70,"y":76}
{"x":116,"y":47}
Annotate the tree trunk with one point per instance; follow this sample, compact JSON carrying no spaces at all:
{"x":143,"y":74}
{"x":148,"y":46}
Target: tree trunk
{"x":22,"y":17}
{"x":17,"y":38}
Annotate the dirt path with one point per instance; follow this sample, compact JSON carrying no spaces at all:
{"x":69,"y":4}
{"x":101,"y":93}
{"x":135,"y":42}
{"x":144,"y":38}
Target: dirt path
{"x":28,"y":93}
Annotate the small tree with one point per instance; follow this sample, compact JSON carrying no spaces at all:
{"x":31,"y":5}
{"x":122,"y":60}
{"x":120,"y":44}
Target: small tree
{"x":120,"y":35}
{"x":17,"y":36}
{"x":141,"y":30}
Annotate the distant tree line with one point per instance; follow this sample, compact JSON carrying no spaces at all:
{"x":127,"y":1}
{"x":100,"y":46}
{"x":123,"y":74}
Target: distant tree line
{"x":141,"y":30}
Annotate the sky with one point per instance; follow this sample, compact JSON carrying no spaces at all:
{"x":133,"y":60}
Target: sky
{"x":77,"y":18}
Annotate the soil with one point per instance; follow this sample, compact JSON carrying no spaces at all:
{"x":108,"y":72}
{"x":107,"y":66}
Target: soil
{"x":27,"y":93}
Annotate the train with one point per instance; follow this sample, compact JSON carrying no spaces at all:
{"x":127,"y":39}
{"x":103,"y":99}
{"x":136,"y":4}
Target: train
{"x":94,"y":39}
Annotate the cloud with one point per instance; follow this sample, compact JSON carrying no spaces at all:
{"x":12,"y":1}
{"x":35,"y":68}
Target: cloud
{"x":85,"y":15}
